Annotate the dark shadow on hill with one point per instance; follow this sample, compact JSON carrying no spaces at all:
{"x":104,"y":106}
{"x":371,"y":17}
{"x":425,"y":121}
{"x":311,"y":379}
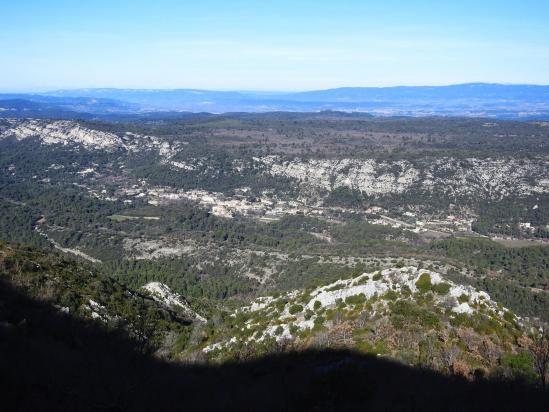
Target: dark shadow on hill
{"x":51,"y":361}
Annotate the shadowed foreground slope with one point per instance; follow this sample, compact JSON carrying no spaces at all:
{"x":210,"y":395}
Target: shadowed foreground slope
{"x":51,"y":361}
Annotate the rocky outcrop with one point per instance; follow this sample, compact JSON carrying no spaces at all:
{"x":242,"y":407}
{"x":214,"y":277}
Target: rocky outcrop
{"x":164,"y":295}
{"x":61,"y":132}
{"x":490,"y":178}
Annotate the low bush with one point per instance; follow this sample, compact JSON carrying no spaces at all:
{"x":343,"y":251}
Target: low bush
{"x":295,"y":309}
{"x":424,"y":283}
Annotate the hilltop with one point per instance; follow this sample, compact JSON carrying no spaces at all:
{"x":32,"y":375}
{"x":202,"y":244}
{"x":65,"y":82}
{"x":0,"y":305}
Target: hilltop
{"x":408,"y":313}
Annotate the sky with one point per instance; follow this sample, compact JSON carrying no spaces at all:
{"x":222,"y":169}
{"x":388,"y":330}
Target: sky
{"x":270,"y":45}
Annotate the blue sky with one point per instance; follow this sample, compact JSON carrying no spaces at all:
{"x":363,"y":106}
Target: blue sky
{"x":270,"y":45}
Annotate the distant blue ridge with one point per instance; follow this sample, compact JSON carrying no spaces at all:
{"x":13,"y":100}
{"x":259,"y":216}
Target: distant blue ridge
{"x":471,"y":100}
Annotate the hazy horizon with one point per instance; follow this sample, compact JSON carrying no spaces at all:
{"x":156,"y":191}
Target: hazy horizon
{"x":266,"y":91}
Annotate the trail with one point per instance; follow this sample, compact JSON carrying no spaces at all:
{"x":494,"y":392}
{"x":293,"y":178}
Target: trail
{"x":75,"y":252}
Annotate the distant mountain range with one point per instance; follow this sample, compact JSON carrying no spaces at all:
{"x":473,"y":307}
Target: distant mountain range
{"x":471,"y":100}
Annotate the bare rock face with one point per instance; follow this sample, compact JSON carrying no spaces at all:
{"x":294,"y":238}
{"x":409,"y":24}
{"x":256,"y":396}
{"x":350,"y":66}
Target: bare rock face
{"x":62,"y":132}
{"x":164,"y":295}
{"x":72,"y":133}
{"x":491,"y":178}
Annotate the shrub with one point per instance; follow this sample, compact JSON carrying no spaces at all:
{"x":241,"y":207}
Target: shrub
{"x":441,"y":288}
{"x":463,"y":298}
{"x":317,"y":305}
{"x":304,"y":298}
{"x":293,"y":329}
{"x":335,"y":287}
{"x":278,"y":331}
{"x":405,"y":290}
{"x":398,"y":321}
{"x":364,"y":346}
{"x":429,"y":318}
{"x":377,"y":276}
{"x":319,"y":321}
{"x":405,"y":308}
{"x":295,"y":309}
{"x":280,"y":304}
{"x":461,"y":319}
{"x":424,"y":283}
{"x":508,"y":316}
{"x":391,"y":295}
{"x":356,"y":299}
{"x":520,"y":365}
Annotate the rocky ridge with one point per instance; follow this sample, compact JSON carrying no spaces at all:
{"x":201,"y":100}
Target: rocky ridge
{"x":387,"y":312}
{"x":493,"y":178}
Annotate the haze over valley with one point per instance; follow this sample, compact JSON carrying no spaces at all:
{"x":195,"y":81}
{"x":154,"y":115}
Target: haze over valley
{"x":520,"y":102}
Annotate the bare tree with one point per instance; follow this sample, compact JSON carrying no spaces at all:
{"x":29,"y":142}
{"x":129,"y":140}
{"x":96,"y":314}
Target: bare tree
{"x":384,"y":330}
{"x":342,"y":333}
{"x":246,"y":353}
{"x":283,"y":345}
{"x":197,"y":335}
{"x":540,"y":350}
{"x":489,"y":350}
{"x":428,"y":351}
{"x":338,"y":318}
{"x":449,"y":356}
{"x":362,"y":319}
{"x":469,"y":338}
{"x":322,"y":340}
